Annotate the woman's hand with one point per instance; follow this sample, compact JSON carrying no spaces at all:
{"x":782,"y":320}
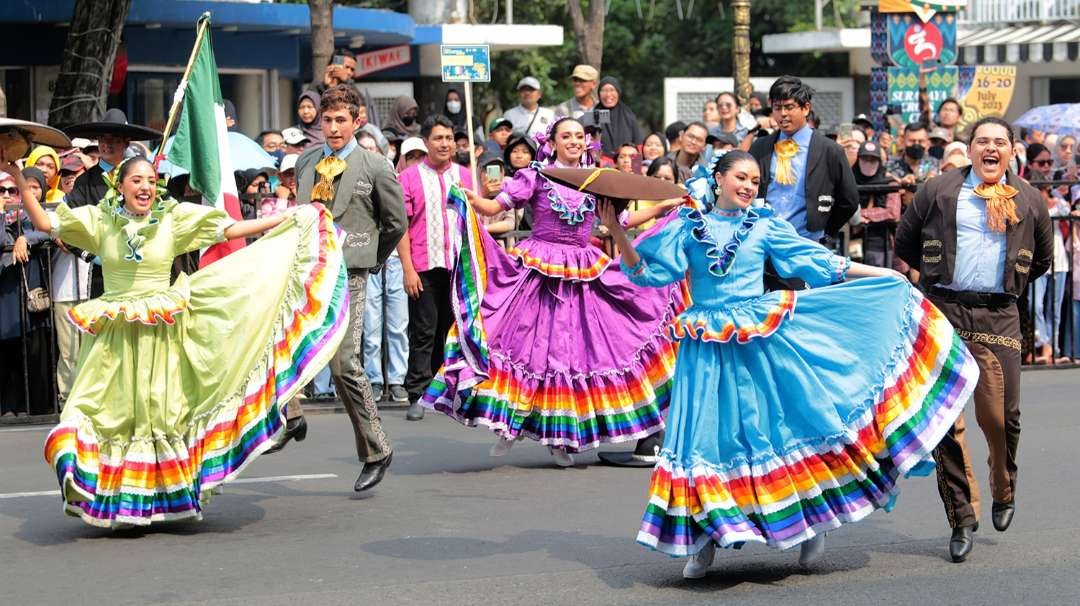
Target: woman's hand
{"x":21,"y":251}
{"x":413,"y":285}
{"x":609,"y":217}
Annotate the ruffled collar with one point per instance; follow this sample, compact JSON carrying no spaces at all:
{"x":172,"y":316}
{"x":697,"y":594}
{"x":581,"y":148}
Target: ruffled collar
{"x":722,"y":258}
{"x":571,"y":214}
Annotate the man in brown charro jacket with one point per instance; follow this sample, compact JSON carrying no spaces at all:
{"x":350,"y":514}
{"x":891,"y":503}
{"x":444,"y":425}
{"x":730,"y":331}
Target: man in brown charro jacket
{"x":977,"y":236}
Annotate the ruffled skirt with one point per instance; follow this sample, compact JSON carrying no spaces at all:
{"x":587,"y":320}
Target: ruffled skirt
{"x":803,"y":415}
{"x":177,"y":392}
{"x":553,"y":343}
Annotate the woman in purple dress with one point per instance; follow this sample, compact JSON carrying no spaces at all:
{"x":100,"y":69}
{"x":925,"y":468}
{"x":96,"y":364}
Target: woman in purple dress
{"x":551,"y":341}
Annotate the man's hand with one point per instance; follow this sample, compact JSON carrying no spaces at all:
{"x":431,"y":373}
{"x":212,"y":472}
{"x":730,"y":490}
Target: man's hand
{"x":332,"y":76}
{"x":413,"y":285}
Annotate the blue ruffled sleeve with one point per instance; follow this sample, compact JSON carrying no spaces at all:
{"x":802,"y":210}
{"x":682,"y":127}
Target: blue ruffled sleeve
{"x":663,"y":252}
{"x":793,"y":256}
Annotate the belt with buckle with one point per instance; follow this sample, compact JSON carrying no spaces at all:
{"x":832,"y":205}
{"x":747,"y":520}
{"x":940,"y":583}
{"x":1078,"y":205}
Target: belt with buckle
{"x":971,"y":298}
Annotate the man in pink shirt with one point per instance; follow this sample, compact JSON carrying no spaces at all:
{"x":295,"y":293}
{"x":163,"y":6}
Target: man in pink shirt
{"x":425,"y":254}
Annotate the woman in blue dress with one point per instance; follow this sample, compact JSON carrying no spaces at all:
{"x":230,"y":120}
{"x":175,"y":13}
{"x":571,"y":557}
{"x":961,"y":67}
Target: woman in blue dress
{"x":792,"y":412}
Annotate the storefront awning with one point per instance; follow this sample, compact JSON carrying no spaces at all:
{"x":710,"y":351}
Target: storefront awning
{"x":1036,"y":43}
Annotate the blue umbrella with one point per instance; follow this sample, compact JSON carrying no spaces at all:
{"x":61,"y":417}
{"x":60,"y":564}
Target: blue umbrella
{"x":244,"y":153}
{"x":1060,"y":118}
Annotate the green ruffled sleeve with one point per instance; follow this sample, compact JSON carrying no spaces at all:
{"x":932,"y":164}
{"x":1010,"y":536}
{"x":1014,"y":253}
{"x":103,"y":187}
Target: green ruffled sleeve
{"x":79,"y":227}
{"x":196,"y":226}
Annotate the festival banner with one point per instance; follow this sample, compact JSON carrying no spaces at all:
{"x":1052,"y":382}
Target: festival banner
{"x":902,"y":87}
{"x":912,"y":43}
{"x":925,"y":9}
{"x":985,"y":90}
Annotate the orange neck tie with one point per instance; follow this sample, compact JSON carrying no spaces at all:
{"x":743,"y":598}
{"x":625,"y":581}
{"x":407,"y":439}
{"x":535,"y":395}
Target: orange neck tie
{"x":1000,"y":204}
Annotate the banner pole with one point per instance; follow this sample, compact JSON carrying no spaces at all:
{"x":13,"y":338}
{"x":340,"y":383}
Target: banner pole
{"x":472,"y":145}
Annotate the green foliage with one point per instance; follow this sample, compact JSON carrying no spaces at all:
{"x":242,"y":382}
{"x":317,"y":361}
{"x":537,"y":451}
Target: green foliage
{"x":642,"y":50}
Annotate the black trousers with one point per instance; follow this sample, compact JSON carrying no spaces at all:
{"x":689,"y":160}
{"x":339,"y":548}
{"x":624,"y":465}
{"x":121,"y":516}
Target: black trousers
{"x":13,"y":389}
{"x":430,"y":318}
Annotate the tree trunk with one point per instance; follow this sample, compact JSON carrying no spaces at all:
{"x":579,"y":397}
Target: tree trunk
{"x":588,"y":33}
{"x":322,"y":36}
{"x":83,"y":84}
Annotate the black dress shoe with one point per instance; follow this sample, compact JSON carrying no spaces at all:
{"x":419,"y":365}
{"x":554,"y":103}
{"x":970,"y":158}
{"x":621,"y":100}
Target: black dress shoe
{"x":372,"y":474}
{"x":294,"y":429}
{"x":963,"y":539}
{"x":415,"y":412}
{"x":1002,"y":514}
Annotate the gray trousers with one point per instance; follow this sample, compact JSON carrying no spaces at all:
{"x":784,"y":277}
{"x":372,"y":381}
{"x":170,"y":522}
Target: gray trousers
{"x":351,"y":382}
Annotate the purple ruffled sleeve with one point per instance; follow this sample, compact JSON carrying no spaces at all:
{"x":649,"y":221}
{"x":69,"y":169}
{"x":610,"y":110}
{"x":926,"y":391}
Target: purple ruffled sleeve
{"x":520,"y":189}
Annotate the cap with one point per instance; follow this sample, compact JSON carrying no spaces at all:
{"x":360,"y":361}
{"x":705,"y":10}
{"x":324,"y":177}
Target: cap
{"x":870,"y":149}
{"x":715,"y":134}
{"x":71,"y":164}
{"x":412,"y":144}
{"x":528,"y":82}
{"x":500,"y":121}
{"x":588,"y":122}
{"x":490,"y":158}
{"x":288,"y":162}
{"x":83,"y":143}
{"x":862,"y":118}
{"x":460,"y":133}
{"x":584,"y":72}
{"x":941,"y":133}
{"x":293,"y":136}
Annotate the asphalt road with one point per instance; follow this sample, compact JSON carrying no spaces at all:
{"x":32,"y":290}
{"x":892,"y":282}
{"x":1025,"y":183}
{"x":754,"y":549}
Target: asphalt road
{"x":450,"y":525}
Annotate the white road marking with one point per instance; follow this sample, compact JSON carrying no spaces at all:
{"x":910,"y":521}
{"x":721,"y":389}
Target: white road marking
{"x":296,"y":478}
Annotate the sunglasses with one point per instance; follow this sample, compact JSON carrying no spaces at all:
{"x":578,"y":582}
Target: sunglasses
{"x":9,"y":191}
{"x":1043,"y":162}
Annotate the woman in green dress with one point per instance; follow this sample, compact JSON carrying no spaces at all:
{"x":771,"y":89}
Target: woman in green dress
{"x":181,"y":385}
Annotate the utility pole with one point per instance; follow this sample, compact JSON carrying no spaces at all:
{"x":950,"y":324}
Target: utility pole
{"x":740,"y":55}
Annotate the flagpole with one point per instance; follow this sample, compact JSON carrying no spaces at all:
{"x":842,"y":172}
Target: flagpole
{"x":178,"y":96}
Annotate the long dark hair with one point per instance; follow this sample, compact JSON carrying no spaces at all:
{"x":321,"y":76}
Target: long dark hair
{"x":662,"y":161}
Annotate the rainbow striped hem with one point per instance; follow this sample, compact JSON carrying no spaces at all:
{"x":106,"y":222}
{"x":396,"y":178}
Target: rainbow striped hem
{"x":682,"y":327}
{"x":789,"y":497}
{"x":168,"y":478}
{"x":565,"y":272}
{"x":578,"y":412}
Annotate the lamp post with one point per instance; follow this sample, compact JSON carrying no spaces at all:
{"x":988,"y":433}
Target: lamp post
{"x":740,"y":55}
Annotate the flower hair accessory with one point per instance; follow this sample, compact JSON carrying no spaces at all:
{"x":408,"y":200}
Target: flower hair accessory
{"x":545,"y":147}
{"x":702,"y":182}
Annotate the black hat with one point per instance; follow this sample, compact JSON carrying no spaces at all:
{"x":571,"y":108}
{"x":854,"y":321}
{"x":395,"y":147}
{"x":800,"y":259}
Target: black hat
{"x":870,"y":149}
{"x":114,"y":122}
{"x":589,"y":123}
{"x":645,"y":454}
{"x":715,"y":134}
{"x":490,"y":157}
{"x":514,"y":141}
{"x":862,"y":119}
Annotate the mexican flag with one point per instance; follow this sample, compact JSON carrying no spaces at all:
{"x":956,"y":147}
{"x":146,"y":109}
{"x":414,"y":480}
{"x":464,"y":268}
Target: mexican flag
{"x":201,"y":143}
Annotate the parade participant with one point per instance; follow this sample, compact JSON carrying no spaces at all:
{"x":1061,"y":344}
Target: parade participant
{"x":154,"y":421}
{"x":365,"y":198}
{"x":573,"y":354}
{"x":113,"y":135}
{"x":977,"y":236}
{"x":805,"y":177}
{"x":786,"y":421}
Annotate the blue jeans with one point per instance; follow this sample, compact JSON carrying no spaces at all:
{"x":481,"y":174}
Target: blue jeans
{"x":1048,"y":312}
{"x":323,"y":383}
{"x":386,"y":291}
{"x":1076,"y":328}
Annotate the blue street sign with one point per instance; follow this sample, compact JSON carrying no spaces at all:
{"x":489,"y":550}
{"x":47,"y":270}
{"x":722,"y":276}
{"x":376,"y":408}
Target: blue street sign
{"x":466,"y":63}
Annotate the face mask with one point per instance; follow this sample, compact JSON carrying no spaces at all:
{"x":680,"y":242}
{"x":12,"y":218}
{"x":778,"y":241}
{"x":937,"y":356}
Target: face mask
{"x":453,"y":106}
{"x":278,"y":155}
{"x":915,"y":152}
{"x":408,"y":120}
{"x":937,"y":151}
{"x":462,"y":158}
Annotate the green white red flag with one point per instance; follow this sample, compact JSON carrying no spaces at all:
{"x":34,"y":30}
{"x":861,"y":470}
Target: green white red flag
{"x":201,"y":143}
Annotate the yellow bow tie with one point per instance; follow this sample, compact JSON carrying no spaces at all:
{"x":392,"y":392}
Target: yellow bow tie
{"x":785,"y":150}
{"x":328,"y":169}
{"x":1000,"y":204}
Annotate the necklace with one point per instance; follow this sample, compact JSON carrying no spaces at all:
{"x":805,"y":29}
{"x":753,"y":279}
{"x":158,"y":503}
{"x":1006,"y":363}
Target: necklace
{"x":123,"y":210}
{"x":728,"y":212}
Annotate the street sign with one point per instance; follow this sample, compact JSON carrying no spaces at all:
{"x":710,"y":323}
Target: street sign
{"x":466,"y":63}
{"x":384,"y":58}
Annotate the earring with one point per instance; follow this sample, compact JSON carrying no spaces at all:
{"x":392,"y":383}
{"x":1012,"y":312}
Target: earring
{"x":718,"y":191}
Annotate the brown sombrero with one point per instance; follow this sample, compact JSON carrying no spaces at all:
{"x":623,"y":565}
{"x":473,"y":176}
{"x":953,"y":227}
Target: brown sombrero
{"x":114,"y":122}
{"x":16,"y":136}
{"x":619,"y":186}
